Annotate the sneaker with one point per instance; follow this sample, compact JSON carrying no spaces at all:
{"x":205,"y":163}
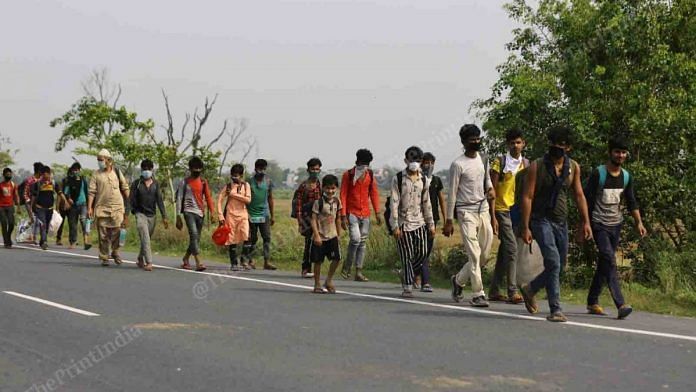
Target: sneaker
{"x":307,"y":275}
{"x":407,"y":293}
{"x":427,"y":288}
{"x":625,"y":311}
{"x":44,"y":246}
{"x":236,"y":268}
{"x":557,"y":317}
{"x":497,"y":297}
{"x":596,"y":310}
{"x":479,"y":302}
{"x":515,"y":299}
{"x":345,"y":275}
{"x":529,"y":301}
{"x":456,"y":289}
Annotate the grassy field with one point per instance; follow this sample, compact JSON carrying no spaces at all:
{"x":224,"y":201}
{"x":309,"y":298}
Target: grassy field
{"x":382,"y":259}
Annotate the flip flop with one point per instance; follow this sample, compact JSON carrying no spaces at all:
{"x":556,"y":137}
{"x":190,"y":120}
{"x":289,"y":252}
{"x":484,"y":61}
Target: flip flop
{"x":330,"y":289}
{"x":201,"y":268}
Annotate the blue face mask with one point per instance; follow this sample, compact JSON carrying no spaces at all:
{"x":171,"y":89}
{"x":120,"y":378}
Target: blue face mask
{"x":101,"y":164}
{"x":147,"y":174}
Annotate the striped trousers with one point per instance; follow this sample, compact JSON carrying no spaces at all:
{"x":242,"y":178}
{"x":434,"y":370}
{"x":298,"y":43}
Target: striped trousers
{"x":413,"y":251}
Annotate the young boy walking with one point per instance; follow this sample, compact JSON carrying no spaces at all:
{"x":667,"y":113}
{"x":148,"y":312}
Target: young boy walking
{"x":9,"y":198}
{"x":232,"y":206}
{"x":411,"y":217}
{"x":326,"y":230}
{"x":145,"y":199}
{"x":261,"y":215}
{"x":43,"y":199}
{"x":192,"y":197}
{"x":607,"y":187}
{"x":504,"y":169}
{"x":308,"y":192}
{"x":358,"y":191}
{"x":437,"y":199}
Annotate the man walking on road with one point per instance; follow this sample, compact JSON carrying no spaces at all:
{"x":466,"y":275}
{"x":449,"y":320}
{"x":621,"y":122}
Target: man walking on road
{"x":108,"y":191}
{"x":545,"y":217}
{"x":25,"y":198}
{"x":470,"y":193}
{"x":145,"y":199}
{"x":411,"y":217}
{"x":607,"y":186}
{"x":306,"y":194}
{"x":503,"y":172}
{"x":44,"y":193}
{"x":358,"y":191}
{"x":261,"y":215}
{"x":76,"y":189}
{"x":8,"y":199}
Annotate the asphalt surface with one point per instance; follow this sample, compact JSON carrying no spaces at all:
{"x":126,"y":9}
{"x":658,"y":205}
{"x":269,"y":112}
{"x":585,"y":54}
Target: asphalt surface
{"x":172,"y":330}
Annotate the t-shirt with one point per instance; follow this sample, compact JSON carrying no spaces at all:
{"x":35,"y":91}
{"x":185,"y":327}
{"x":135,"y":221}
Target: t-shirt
{"x":326,"y":218}
{"x":435,"y":188}
{"x":258,"y":208}
{"x":469,"y":182}
{"x":7,"y":190}
{"x":505,"y":191}
{"x":45,"y":193}
{"x":75,"y":188}
{"x":606,"y":206}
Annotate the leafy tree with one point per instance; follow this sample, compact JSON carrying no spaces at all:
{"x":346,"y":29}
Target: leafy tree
{"x":6,"y":154}
{"x":605,"y":67}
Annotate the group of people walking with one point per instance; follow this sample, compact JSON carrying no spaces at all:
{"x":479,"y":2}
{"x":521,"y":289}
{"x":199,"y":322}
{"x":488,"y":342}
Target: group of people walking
{"x":517,"y":199}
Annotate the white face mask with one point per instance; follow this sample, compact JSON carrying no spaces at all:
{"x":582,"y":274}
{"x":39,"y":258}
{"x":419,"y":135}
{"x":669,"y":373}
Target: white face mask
{"x":101,"y":164}
{"x":414,"y":166}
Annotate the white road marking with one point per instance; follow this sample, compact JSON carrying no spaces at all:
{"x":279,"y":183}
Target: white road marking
{"x":408,"y":301}
{"x":51,"y":303}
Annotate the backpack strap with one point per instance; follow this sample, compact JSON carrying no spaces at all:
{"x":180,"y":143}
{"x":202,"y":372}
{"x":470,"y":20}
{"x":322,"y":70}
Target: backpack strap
{"x":400,"y":181}
{"x":602,"y":169}
{"x":626,"y":177}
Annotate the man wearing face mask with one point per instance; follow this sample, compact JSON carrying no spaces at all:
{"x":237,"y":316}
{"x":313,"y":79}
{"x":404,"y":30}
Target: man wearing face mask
{"x":411,"y":217}
{"x":108,"y":191}
{"x":306,"y":194}
{"x":358,"y":191}
{"x":145,"y":199}
{"x":261,"y":215}
{"x":545,"y":217}
{"x":437,"y":199}
{"x":232,"y":212}
{"x":76,"y":188}
{"x":192,"y":196}
{"x":470,"y":193}
{"x":9,"y":197}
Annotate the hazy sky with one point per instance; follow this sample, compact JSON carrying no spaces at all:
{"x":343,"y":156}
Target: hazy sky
{"x":313,"y":77}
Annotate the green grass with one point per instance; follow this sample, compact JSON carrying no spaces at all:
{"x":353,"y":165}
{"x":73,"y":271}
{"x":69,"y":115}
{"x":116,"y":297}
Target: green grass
{"x":382,"y":259}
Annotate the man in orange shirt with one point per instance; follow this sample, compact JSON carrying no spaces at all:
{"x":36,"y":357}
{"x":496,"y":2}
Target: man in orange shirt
{"x":358,"y":189}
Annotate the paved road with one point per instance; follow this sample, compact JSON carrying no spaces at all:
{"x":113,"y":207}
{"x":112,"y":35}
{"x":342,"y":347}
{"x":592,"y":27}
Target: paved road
{"x":172,"y":330}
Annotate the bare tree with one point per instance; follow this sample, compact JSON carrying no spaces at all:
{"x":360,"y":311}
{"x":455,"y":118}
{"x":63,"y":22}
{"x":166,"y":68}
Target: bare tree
{"x":99,"y":87}
{"x":240,"y":127}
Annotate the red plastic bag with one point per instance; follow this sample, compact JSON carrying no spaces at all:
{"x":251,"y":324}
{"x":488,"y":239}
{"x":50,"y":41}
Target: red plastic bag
{"x":221,"y":234}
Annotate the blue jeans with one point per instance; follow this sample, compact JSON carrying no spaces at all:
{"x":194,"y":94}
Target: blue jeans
{"x":552,"y":238}
{"x":607,"y":240}
{"x":194,"y":224}
{"x":44,"y":216}
{"x":359,"y":229}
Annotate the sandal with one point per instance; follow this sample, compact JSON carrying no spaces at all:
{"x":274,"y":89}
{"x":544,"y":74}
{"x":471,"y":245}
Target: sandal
{"x":318,"y":290}
{"x":330,"y":289}
{"x":186,"y":266}
{"x":201,"y":268}
{"x":141,"y":262}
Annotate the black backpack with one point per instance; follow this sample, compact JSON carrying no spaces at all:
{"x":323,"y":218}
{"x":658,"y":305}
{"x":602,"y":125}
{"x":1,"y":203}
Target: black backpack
{"x":387,"y":205}
{"x":306,"y":221}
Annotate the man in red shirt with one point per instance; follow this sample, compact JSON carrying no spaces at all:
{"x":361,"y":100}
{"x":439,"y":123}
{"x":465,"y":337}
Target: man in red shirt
{"x":358,"y":190}
{"x":8,"y":199}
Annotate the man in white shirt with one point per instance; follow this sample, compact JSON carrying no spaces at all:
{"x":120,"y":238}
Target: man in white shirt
{"x":470,"y":192}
